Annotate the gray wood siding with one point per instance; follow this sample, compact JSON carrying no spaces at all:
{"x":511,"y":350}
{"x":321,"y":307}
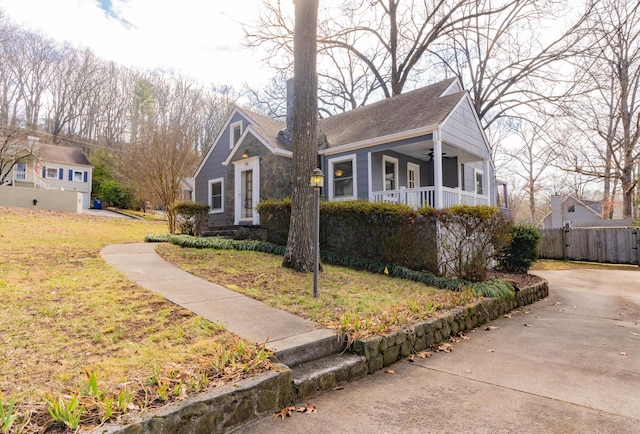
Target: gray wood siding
{"x":462,"y":130}
{"x":213,"y":169}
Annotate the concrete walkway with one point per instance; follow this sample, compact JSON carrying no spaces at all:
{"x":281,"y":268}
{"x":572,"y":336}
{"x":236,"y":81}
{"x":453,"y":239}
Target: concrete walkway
{"x":241,"y":315}
{"x":566,"y":364}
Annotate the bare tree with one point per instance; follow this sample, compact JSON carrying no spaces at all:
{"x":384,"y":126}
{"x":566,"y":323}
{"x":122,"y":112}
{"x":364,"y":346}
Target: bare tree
{"x":299,"y":250}
{"x":13,"y":149}
{"x":509,"y":60}
{"x":530,"y":160}
{"x":603,"y":125}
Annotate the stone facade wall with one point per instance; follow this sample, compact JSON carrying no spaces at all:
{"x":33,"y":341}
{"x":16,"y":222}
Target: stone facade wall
{"x":381,"y":351}
{"x":275,"y":175}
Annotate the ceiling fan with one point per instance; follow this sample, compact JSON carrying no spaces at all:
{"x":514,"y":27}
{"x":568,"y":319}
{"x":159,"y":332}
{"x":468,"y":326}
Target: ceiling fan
{"x":429,"y":155}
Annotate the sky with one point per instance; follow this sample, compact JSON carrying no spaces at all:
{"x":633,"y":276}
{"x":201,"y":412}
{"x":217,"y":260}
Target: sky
{"x":198,"y":38}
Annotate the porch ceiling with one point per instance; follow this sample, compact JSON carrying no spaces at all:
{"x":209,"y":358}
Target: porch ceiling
{"x":421,"y":151}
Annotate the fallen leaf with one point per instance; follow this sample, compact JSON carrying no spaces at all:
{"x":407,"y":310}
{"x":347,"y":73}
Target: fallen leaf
{"x":454,"y":340}
{"x":285,"y":412}
{"x":538,"y":317}
{"x":527,"y":325}
{"x":635,"y":334}
{"x":308,"y":409}
{"x":390,"y":371}
{"x":445,"y":347}
{"x":489,"y":328}
{"x":623,"y":353}
{"x":424,"y":355}
{"x":490,"y":351}
{"x":465,"y":337}
{"x":468,"y":371}
{"x":506,"y":315}
{"x":338,"y":388}
{"x":620,"y":325}
{"x":411,"y":358}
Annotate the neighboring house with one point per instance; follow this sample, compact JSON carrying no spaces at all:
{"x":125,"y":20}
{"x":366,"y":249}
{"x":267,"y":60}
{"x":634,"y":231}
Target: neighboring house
{"x":424,"y":147}
{"x":55,"y":167}
{"x":574,"y":212}
{"x":185,"y":191}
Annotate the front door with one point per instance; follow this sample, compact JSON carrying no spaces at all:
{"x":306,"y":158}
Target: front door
{"x":246,"y":191}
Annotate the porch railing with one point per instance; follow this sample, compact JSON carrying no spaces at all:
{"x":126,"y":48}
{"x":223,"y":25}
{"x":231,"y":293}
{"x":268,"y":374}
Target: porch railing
{"x":425,"y":196}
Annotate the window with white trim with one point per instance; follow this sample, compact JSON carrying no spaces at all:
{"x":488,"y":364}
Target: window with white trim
{"x":479,"y":179}
{"x":342,"y":178}
{"x":389,"y":173}
{"x":77,"y":176}
{"x":413,"y":175}
{"x":51,"y":173}
{"x":235,"y":131}
{"x":216,"y":195}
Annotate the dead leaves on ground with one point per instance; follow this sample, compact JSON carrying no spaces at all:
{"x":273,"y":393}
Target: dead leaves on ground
{"x":288,"y":411}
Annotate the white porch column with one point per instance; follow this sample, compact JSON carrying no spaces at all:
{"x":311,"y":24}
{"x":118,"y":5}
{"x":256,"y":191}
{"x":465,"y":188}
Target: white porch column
{"x":437,"y":168}
{"x":486,"y":188}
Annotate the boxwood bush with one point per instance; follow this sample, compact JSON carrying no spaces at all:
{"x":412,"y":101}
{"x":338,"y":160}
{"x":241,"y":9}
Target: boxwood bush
{"x":522,"y":251}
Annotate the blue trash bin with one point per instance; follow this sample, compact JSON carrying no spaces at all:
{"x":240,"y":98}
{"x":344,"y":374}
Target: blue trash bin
{"x":97,"y":204}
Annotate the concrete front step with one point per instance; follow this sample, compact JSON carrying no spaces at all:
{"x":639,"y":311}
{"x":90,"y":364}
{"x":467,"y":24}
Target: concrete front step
{"x":317,"y":376}
{"x":302,"y":348}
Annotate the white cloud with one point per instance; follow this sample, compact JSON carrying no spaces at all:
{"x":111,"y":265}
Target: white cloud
{"x":199,"y":38}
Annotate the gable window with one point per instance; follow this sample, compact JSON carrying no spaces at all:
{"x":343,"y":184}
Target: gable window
{"x":479,"y":179}
{"x":216,"y":187}
{"x":341,"y":178}
{"x":571,"y":208}
{"x":390,"y":172}
{"x":235,"y":131}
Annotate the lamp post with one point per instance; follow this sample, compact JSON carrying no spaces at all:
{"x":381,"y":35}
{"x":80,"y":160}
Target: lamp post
{"x":317,"y":181}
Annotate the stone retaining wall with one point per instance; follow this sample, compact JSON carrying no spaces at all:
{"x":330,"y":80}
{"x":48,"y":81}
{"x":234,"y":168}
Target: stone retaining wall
{"x":219,"y":410}
{"x":382,"y":351}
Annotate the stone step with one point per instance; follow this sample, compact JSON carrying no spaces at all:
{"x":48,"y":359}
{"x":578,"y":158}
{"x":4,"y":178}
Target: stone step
{"x":303,"y":348}
{"x":317,"y":376}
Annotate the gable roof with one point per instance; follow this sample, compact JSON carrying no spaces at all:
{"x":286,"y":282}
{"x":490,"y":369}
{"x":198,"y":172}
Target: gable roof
{"x":411,"y":112}
{"x":62,"y":154}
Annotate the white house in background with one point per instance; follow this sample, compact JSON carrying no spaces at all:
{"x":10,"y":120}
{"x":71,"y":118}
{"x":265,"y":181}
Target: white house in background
{"x":55,"y":167}
{"x":577,"y":213}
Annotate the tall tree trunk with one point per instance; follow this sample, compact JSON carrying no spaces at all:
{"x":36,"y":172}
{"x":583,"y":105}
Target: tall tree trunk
{"x":299,"y":251}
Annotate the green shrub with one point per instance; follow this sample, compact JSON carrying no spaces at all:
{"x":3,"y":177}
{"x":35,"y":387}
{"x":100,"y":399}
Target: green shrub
{"x":191,"y":217}
{"x":522,"y":251}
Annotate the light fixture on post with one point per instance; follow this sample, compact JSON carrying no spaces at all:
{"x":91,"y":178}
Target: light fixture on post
{"x":316,"y":182}
{"x":245,"y":154}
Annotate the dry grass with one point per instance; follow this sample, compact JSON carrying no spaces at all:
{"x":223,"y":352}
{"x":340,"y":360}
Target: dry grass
{"x":66,"y":312}
{"x":546,"y":264}
{"x":355,"y":302}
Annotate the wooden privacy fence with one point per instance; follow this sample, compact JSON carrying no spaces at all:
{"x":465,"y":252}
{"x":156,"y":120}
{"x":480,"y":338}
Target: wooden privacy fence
{"x":612,"y":245}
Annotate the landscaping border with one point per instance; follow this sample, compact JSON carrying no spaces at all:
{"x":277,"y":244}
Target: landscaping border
{"x":381,"y":351}
{"x":233,"y":406}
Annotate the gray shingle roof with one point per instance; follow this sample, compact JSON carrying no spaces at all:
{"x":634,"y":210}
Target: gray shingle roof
{"x":62,"y":154}
{"x":414,"y":109}
{"x":418,"y":108}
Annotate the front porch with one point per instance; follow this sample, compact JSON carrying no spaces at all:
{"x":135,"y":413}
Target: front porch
{"x":426,"y":196}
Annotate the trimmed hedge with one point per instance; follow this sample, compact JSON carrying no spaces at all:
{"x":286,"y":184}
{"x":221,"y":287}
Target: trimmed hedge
{"x":387,"y":233}
{"x":191,"y":217}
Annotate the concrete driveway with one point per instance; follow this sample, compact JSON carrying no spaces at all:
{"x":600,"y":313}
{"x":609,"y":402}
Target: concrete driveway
{"x":567,"y":364}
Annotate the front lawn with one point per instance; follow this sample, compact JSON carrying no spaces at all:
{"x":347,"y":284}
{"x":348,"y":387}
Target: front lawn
{"x":69,"y":319}
{"x":357,"y":302}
